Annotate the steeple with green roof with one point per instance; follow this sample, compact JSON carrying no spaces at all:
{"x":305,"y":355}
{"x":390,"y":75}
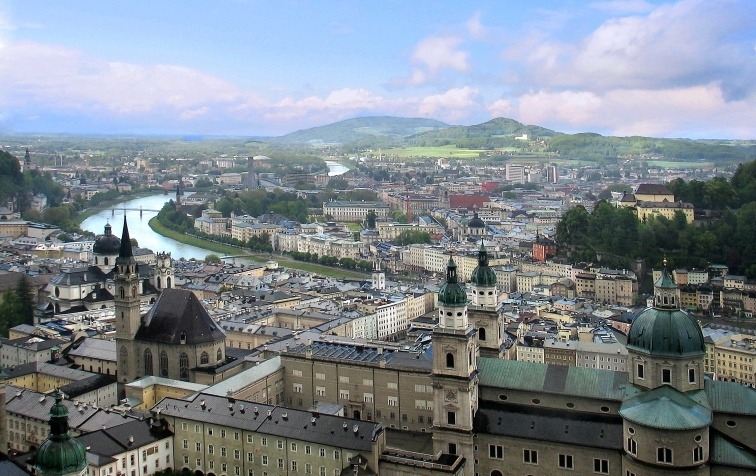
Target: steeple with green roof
{"x":483,"y":281}
{"x":665,"y":343}
{"x":60,"y":454}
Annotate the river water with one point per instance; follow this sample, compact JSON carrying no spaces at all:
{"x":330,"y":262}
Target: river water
{"x":138,"y":222}
{"x":138,"y":227}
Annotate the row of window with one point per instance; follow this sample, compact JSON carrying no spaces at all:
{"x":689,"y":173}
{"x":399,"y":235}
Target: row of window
{"x":280,"y":464}
{"x":564,"y":461}
{"x":663,"y":454}
{"x":666,"y":374}
{"x":294,"y":447}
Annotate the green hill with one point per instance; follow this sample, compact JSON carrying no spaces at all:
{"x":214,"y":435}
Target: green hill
{"x":596,"y":146}
{"x":363,"y":128}
{"x":498,"y":132}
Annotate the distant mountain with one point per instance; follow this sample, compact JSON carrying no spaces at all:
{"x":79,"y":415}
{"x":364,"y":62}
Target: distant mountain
{"x":498,"y":132}
{"x":363,"y":128}
{"x":388,"y":132}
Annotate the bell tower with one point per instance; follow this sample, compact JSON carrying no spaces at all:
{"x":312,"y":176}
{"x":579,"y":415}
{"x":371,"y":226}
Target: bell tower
{"x":483,"y":311}
{"x":127,"y":307}
{"x":164,"y":272}
{"x":455,"y":372}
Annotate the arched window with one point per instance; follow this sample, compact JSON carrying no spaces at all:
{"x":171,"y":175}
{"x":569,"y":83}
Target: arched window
{"x":481,"y":333}
{"x":184,"y":367}
{"x":133,"y":291}
{"x":449,"y":360}
{"x":219,"y":355}
{"x":496,"y":472}
{"x":148,"y":362}
{"x":57,"y":291}
{"x":158,"y":282}
{"x":122,"y":292}
{"x":168,"y":282}
{"x":163,"y":364}
{"x":106,"y":261}
{"x":204,"y":358}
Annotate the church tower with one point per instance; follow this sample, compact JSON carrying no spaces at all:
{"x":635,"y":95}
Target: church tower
{"x":379,"y":277}
{"x":455,"y":373}
{"x":164,"y":278}
{"x":665,"y":344}
{"x":127,"y":307}
{"x":179,"y":194}
{"x":27,"y":161}
{"x":666,"y":423}
{"x":483,"y":282}
{"x":483,"y":312}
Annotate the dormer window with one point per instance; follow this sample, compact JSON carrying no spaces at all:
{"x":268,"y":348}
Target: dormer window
{"x":666,"y":376}
{"x":182,"y":338}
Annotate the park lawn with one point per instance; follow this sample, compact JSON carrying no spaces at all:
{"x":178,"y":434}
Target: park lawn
{"x":353,"y":226}
{"x":213,"y":247}
{"x":450,"y":151}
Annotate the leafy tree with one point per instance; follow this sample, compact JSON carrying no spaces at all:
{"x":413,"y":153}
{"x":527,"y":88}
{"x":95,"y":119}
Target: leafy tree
{"x":410,"y":237}
{"x":26,"y":302}
{"x":213,"y":259}
{"x":370,"y":219}
{"x":399,"y":216}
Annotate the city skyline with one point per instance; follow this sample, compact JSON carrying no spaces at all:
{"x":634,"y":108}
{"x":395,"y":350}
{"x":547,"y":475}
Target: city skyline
{"x":629,"y":67}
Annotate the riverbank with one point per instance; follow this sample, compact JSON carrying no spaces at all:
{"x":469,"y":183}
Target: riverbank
{"x":89,"y":211}
{"x":213,"y":247}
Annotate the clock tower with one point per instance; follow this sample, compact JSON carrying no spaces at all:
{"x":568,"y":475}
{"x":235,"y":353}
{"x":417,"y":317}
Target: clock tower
{"x":455,"y":373}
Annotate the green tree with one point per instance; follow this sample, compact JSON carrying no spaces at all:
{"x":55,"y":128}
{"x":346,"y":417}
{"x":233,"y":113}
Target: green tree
{"x":26,"y":302}
{"x":410,"y":237}
{"x":370,"y":219}
{"x":213,"y":259}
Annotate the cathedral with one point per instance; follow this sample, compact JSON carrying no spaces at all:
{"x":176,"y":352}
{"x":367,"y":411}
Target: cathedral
{"x":92,"y":286}
{"x":175,"y":339}
{"x":482,"y":415}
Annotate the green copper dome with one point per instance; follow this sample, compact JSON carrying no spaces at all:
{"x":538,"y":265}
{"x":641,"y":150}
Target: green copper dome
{"x":666,"y":332}
{"x":452,"y":293}
{"x":60,"y":454}
{"x":483,"y":276}
{"x":665,"y":329}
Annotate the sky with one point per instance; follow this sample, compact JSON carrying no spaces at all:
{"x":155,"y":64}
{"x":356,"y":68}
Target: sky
{"x":257,"y":67}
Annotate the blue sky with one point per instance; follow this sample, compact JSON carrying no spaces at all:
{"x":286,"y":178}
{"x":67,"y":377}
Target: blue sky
{"x":235,"y":67}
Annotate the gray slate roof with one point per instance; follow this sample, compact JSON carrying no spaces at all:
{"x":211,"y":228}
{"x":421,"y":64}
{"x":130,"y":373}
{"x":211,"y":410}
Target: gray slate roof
{"x":283,"y":422}
{"x":178,"y":313}
{"x":549,"y":426}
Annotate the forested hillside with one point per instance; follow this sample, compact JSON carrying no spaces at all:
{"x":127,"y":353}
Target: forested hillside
{"x":618,"y":237}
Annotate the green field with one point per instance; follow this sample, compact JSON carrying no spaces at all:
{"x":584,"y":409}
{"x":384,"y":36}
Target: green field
{"x":222,"y":249}
{"x":674,"y":164}
{"x":449,"y":151}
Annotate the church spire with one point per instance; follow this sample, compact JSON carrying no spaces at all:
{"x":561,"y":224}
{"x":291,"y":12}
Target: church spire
{"x":665,"y":290}
{"x":125,"y":250}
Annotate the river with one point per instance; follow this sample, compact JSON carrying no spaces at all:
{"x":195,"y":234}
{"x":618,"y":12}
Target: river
{"x":138,"y":222}
{"x":139,"y":229}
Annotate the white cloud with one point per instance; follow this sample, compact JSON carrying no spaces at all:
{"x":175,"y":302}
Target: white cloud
{"x":683,"y":44}
{"x":702,"y":110}
{"x":65,"y":79}
{"x":452,"y":105}
{"x":437,"y":53}
{"x":475,"y":28}
{"x":623,"y":6}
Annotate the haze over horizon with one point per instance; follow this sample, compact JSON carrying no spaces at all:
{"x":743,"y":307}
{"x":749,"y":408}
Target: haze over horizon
{"x":619,"y":67}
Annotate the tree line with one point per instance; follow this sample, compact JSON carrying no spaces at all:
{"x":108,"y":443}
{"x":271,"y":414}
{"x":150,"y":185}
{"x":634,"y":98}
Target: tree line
{"x":618,"y":237}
